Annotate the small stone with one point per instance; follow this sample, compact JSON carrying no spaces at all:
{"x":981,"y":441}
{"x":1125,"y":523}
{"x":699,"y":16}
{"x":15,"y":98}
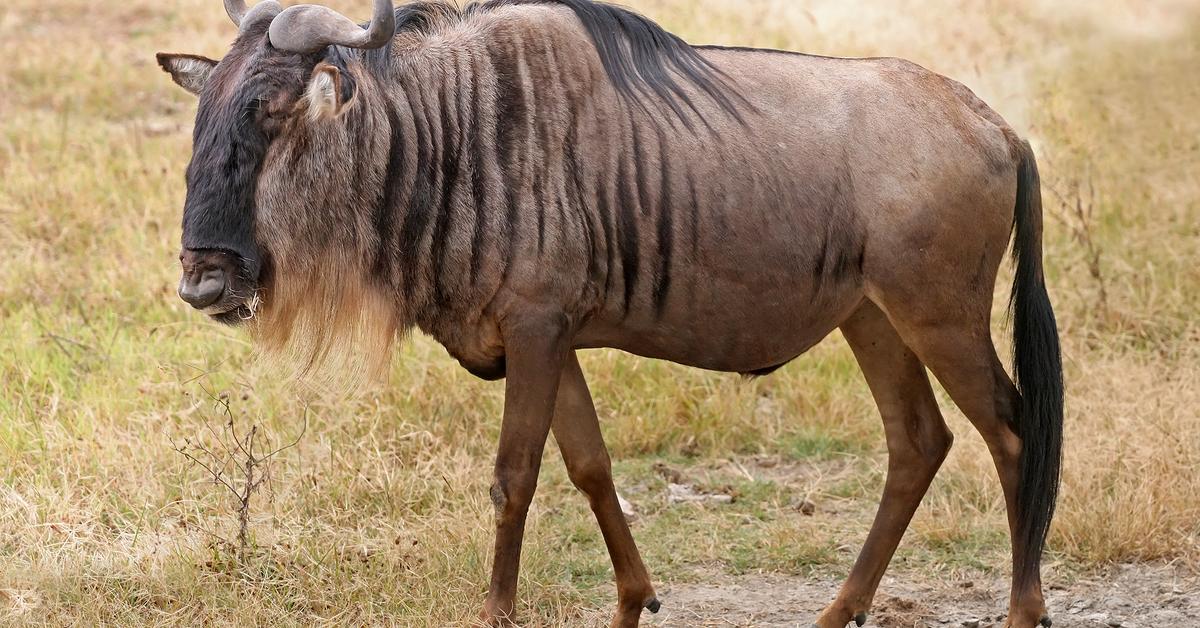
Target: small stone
{"x":627,"y":508}
{"x":1078,"y":606}
{"x":681,"y":493}
{"x":971,"y":623}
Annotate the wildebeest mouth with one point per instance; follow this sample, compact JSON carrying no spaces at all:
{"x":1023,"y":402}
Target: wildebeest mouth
{"x":235,"y":316}
{"x":235,"y":307}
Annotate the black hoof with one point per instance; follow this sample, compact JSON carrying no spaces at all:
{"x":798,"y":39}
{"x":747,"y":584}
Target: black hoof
{"x":860,"y":619}
{"x":653,"y":605}
{"x":1046,"y":622}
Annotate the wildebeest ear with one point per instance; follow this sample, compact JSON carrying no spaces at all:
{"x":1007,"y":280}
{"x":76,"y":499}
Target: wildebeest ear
{"x":329,"y":91}
{"x":191,"y":72}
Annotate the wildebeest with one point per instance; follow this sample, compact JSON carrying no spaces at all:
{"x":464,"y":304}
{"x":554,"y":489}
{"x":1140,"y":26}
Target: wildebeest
{"x":522,"y":179}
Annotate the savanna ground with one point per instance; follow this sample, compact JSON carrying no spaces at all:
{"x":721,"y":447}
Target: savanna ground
{"x":379,"y":513}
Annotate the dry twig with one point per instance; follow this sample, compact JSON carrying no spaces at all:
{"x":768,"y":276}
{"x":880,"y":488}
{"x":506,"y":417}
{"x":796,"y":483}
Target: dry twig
{"x":234,"y":462}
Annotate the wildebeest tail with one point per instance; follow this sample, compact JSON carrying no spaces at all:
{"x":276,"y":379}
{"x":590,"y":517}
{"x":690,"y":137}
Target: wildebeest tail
{"x":1037,"y":366}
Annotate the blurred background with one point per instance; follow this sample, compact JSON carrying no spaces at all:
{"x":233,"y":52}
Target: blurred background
{"x":129,"y":424}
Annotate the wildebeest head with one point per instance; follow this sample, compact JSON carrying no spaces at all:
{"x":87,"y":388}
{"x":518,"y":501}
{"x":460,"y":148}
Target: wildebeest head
{"x":261,"y":195}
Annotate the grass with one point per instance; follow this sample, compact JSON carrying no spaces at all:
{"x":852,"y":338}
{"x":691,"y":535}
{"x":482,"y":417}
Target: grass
{"x":380,"y":514}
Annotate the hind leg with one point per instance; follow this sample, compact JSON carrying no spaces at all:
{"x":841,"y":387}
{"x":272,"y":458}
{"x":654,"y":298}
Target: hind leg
{"x":955,"y":343}
{"x":917,"y":440}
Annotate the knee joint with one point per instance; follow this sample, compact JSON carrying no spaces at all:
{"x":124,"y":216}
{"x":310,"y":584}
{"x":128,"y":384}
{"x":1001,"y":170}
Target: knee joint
{"x":591,"y":476}
{"x":939,"y":442}
{"x":923,"y":441}
{"x":499,"y":499}
{"x":512,"y":492}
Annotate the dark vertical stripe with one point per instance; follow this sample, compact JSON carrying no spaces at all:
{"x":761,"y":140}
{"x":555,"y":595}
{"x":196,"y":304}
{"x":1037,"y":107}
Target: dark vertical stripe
{"x":666,"y":234}
{"x":589,"y":233}
{"x":449,"y":146}
{"x":385,"y":210}
{"x":819,"y":262}
{"x":418,"y":212}
{"x":479,"y":161}
{"x":579,"y":197}
{"x":605,"y":214}
{"x":639,"y":170}
{"x":627,"y":233}
{"x":665,"y":198}
{"x":539,"y":200}
{"x":693,"y":210}
{"x":550,"y":121}
{"x":511,"y":114}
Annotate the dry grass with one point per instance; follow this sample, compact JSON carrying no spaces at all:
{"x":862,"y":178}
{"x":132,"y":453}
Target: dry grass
{"x":379,"y":515}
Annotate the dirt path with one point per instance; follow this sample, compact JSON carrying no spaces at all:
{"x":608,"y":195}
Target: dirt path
{"x":1131,"y":596}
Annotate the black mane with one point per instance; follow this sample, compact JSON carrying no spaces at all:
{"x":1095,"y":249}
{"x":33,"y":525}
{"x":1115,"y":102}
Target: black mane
{"x":639,"y":56}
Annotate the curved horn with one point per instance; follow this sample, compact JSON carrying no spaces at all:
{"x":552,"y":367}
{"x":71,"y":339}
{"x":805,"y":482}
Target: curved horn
{"x":236,"y":10}
{"x":239,"y":13}
{"x":309,"y":28}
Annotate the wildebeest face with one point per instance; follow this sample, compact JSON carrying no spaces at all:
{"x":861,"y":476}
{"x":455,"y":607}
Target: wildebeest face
{"x":283,"y":163}
{"x":246,"y":101}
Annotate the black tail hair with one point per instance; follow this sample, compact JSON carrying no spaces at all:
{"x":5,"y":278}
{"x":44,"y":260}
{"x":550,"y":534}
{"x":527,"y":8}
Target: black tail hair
{"x":1037,"y":366}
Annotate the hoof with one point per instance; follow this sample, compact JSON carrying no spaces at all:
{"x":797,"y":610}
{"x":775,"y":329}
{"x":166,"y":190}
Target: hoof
{"x":653,"y":605}
{"x":1046,"y":621}
{"x":860,"y":619}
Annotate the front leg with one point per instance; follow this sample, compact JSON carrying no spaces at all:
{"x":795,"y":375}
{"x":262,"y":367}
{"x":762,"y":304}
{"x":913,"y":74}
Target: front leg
{"x":535,"y":350}
{"x":577,"y":430}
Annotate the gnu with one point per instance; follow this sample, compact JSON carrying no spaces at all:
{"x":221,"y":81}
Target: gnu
{"x":522,"y":179}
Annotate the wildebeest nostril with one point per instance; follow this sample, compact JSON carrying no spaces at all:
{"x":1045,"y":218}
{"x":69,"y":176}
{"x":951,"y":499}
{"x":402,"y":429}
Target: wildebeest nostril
{"x":202,"y":289}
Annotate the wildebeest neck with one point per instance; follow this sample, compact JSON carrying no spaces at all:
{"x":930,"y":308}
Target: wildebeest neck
{"x":489,"y":167}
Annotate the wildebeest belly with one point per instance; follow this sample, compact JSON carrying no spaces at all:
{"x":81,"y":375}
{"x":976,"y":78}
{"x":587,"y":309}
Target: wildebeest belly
{"x":746,"y":322}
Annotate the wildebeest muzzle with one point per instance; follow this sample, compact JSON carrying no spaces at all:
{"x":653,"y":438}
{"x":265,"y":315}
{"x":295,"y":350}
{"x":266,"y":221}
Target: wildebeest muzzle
{"x":214,"y":282}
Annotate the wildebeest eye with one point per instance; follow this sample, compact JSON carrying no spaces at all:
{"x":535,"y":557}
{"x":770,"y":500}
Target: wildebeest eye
{"x":266,"y":114}
{"x":261,"y":106}
{"x":253,"y":108}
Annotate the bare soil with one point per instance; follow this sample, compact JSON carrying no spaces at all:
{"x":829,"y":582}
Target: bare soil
{"x":1131,"y":596}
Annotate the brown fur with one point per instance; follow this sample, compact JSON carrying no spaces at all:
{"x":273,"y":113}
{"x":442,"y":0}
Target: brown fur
{"x":324,"y":307}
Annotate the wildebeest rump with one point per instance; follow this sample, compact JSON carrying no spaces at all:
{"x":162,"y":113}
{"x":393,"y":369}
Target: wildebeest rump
{"x":522,"y":179}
